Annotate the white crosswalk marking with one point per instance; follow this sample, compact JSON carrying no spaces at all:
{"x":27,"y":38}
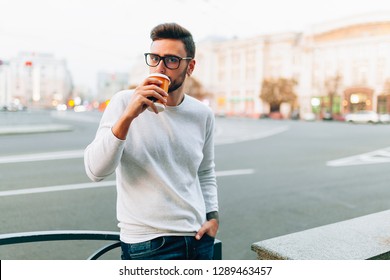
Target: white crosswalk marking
{"x":375,"y":157}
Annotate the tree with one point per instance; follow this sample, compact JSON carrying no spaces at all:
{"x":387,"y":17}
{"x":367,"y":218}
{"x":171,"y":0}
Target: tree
{"x":195,"y":89}
{"x":278,"y":91}
{"x":383,"y":106}
{"x":332,"y":85}
{"x":386,"y":87}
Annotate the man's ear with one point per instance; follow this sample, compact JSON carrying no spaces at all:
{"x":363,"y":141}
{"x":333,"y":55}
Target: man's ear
{"x":191,"y":67}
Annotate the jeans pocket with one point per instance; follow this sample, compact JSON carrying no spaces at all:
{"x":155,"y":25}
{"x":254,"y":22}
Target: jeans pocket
{"x":205,"y":248}
{"x":206,"y":236}
{"x":145,"y":249}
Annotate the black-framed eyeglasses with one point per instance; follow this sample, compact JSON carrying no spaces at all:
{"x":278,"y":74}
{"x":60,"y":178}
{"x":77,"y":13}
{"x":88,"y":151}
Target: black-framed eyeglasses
{"x":170,"y":61}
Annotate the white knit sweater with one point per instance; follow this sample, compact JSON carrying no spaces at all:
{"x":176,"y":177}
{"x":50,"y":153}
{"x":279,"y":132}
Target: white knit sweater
{"x":164,"y":169}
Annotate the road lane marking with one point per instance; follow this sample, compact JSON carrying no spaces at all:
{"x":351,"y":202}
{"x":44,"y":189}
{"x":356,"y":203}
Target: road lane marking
{"x":374,"y":157}
{"x":73,"y":154}
{"x":42,"y":156}
{"x":234,"y":172}
{"x":253,"y":136}
{"x":103,"y":184}
{"x":58,"y":188}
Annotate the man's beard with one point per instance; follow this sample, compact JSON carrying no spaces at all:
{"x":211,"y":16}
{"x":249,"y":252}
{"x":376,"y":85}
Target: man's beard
{"x":178,"y":83}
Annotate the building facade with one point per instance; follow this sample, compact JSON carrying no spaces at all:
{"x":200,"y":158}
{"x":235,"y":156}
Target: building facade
{"x":110,"y":83}
{"x":348,"y":65}
{"x":34,"y":80}
{"x":340,"y":67}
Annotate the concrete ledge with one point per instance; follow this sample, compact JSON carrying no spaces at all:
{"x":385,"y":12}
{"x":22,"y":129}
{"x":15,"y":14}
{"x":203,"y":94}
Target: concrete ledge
{"x":28,"y":129}
{"x":366,"y":237}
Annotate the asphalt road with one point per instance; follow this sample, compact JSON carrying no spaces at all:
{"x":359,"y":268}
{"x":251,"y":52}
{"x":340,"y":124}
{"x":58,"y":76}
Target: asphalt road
{"x":274,"y":177}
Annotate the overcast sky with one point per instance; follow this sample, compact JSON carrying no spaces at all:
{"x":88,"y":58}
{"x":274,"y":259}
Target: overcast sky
{"x":106,"y":35}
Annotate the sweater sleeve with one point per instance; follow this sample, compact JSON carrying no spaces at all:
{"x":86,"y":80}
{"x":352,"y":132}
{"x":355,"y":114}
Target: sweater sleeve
{"x":103,"y":155}
{"x":206,"y":173}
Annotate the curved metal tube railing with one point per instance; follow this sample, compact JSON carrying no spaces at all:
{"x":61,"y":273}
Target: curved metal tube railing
{"x":63,"y":235}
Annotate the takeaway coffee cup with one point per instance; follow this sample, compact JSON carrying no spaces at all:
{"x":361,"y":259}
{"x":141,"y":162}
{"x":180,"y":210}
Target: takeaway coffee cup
{"x":165,"y":85}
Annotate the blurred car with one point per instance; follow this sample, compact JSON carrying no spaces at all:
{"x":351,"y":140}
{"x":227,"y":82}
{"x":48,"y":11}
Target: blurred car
{"x":384,"y":118}
{"x":309,"y":117}
{"x":362,"y":117}
{"x":327,"y":116}
{"x":13,"y":107}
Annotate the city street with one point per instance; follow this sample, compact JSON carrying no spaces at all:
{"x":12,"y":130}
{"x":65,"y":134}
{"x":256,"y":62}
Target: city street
{"x":275,"y":177}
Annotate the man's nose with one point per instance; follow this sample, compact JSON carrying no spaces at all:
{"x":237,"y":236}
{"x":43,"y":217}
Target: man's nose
{"x":161,"y":68}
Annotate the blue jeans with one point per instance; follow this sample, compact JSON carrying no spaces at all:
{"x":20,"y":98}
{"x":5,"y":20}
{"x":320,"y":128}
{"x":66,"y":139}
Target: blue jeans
{"x":170,"y":248}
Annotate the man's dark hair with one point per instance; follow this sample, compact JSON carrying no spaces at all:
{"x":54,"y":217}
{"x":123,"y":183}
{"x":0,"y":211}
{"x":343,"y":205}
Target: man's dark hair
{"x":174,"y":31}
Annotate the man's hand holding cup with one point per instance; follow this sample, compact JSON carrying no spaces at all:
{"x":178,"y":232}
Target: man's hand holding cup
{"x":164,"y":85}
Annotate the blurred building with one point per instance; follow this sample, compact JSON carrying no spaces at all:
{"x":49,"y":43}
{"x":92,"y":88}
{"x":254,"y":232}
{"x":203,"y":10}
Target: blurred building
{"x":345,"y":65}
{"x":110,"y":83}
{"x":233,"y":70}
{"x":340,"y":66}
{"x":34,"y":80}
{"x":5,"y":84}
{"x":139,"y":71}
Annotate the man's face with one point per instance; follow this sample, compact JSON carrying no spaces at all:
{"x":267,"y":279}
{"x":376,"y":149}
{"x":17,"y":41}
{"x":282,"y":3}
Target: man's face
{"x":165,"y":47}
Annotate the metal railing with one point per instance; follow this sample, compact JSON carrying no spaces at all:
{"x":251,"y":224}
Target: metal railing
{"x":64,"y":235}
{"x":59,"y":235}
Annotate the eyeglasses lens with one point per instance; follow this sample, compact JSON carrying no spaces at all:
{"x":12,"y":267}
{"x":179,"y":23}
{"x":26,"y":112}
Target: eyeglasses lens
{"x":170,"y":62}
